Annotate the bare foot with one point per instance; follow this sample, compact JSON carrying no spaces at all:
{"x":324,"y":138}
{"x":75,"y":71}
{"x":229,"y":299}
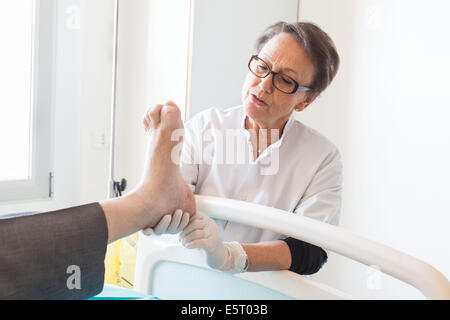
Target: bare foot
{"x":162,"y":189}
{"x":162,"y":178}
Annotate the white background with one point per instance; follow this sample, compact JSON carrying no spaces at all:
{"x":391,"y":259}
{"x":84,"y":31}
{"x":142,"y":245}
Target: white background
{"x":388,"y":111}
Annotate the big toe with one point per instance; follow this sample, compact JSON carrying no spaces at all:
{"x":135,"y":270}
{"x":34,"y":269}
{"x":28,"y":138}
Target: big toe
{"x":171,"y":117}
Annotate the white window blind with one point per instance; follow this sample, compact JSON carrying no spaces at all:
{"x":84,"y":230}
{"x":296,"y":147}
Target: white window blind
{"x":26,"y":64}
{"x":16,"y":22}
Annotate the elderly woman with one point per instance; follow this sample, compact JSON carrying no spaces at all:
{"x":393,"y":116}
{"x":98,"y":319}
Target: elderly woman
{"x":291,"y":167}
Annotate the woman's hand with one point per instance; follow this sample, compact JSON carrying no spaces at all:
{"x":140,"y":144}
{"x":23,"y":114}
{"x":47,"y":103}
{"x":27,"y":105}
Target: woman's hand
{"x":202,"y":232}
{"x":170,"y":224}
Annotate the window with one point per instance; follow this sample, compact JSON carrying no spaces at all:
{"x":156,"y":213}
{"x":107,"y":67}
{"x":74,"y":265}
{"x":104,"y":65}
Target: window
{"x":26,"y":82}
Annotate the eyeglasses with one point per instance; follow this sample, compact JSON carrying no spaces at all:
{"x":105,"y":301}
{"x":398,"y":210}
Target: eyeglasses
{"x":280,"y":81}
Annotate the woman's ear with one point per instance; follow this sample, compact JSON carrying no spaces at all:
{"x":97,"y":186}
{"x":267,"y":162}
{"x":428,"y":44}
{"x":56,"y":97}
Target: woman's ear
{"x":301,"y":107}
{"x":305,"y":103}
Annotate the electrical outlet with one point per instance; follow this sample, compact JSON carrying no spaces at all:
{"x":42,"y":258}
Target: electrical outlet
{"x":99,"y":139}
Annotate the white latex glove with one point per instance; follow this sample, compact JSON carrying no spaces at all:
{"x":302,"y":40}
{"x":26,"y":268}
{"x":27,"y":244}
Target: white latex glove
{"x":170,"y":224}
{"x":202,"y":232}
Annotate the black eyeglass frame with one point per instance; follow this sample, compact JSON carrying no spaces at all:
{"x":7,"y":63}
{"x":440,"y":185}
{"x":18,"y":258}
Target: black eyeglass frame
{"x":294,"y":90}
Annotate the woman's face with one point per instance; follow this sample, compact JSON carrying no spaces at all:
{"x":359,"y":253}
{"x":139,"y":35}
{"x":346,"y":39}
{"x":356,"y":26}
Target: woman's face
{"x":267,"y":106}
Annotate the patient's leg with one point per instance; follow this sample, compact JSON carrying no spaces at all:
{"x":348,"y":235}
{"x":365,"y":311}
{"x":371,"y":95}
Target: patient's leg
{"x":162,"y":189}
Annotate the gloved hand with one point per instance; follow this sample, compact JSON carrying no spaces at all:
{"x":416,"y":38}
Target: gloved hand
{"x":170,"y":224}
{"x":202,"y":232}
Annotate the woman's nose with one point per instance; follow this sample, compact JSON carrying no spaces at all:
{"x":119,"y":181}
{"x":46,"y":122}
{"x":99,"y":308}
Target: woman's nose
{"x":266,"y":83}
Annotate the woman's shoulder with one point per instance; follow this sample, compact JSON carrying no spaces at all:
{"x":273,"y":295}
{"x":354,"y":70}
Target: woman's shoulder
{"x":305,"y":135}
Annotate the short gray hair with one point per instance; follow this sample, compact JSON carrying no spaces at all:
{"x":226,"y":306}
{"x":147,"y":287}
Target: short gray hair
{"x":318,"y":45}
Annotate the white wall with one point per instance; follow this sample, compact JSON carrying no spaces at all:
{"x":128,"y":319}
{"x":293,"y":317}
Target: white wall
{"x":224,"y":34}
{"x":95,"y":107}
{"x":387,"y":111}
{"x":152,"y":68}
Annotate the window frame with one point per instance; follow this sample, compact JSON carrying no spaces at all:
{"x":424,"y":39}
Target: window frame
{"x":39,"y":185}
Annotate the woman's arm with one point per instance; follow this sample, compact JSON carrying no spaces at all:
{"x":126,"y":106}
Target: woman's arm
{"x":268,"y":255}
{"x":288,"y":254}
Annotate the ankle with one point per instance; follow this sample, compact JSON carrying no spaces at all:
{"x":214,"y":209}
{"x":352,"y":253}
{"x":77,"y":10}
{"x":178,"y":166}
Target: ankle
{"x":143,"y":206}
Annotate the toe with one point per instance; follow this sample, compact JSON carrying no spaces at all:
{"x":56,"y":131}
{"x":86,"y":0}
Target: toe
{"x":154,"y":114}
{"x":171,"y":117}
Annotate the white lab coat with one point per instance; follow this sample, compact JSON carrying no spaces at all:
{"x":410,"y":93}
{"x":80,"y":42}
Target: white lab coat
{"x":301,"y":173}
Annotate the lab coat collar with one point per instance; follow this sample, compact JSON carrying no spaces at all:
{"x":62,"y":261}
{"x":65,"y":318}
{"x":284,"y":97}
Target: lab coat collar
{"x":285,"y":130}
